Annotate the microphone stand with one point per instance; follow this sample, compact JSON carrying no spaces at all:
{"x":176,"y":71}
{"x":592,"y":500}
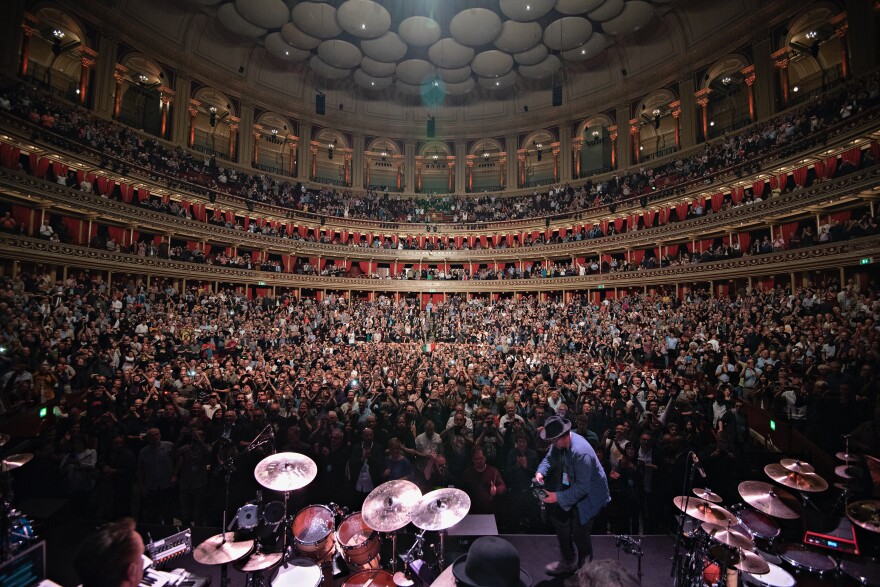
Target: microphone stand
{"x":690,"y":471}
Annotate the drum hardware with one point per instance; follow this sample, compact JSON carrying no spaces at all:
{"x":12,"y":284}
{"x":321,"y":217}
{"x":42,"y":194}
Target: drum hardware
{"x":800,"y":558}
{"x":797,"y":466}
{"x":439,"y":510}
{"x":680,"y":561}
{"x":803,"y":482}
{"x":707,"y":494}
{"x":769,"y":499}
{"x":631,"y":546}
{"x":298,"y":572}
{"x":405,"y":578}
{"x":16,"y":530}
{"x":388,"y":508}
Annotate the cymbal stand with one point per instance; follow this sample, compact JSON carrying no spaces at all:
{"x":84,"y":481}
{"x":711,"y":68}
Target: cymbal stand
{"x":5,"y":515}
{"x":678,"y":556}
{"x":633,"y":546}
{"x":287,"y":525}
{"x":229,"y":468}
{"x":441,"y":558}
{"x":405,"y":579}
{"x":393,"y":561}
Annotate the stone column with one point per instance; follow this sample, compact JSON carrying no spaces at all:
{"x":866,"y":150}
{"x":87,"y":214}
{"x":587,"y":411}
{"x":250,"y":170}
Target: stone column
{"x":624,"y":156}
{"x":87,"y":59}
{"x":119,"y":84}
{"x":291,"y":158}
{"x":305,"y":150}
{"x":861,"y":34}
{"x":565,"y":147}
{"x":577,"y":145}
{"x":634,"y":133}
{"x":103,"y":98}
{"x":233,"y":137}
{"x":193,"y":112}
{"x":687,"y":120}
{"x":841,"y":28}
{"x":409,"y":166}
{"x":765,"y":76}
{"x":460,"y":166}
{"x":166,"y":97}
{"x":181,"y":121}
{"x":357,"y":164}
{"x":749,"y":73}
{"x":702,"y":100}
{"x":676,"y":116}
{"x":247,"y":123}
{"x":780,"y":61}
{"x":512,"y":171}
{"x":612,"y":135}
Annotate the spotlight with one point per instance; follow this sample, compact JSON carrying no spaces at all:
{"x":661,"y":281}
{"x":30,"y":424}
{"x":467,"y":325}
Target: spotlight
{"x":712,"y":123}
{"x":726,"y":80}
{"x":58,"y":34}
{"x":795,"y":89}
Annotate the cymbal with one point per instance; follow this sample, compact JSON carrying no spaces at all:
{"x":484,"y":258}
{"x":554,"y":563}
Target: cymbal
{"x":389,"y":506}
{"x":446,"y":579}
{"x":286,"y":471}
{"x":847,"y":457}
{"x":214,"y":551}
{"x":15,"y":461}
{"x":848,"y":472}
{"x":769,"y":499}
{"x":707,"y":494}
{"x":865,"y":514}
{"x":729,"y":535}
{"x":258,"y":562}
{"x":807,"y":482}
{"x":4,"y":438}
{"x":441,"y":509}
{"x":797,"y":466}
{"x":746,"y":561}
{"x":703,"y":510}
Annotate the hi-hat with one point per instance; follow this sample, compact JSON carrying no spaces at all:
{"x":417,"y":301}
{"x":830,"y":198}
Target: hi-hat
{"x":807,"y":482}
{"x":15,"y":461}
{"x":214,"y":551}
{"x":769,"y":499}
{"x":847,"y":472}
{"x":258,"y":562}
{"x":707,"y":494}
{"x":797,"y":466}
{"x":441,"y":509}
{"x":703,"y":510}
{"x":389,"y":506}
{"x":285,"y":471}
{"x":746,"y":561}
{"x":865,"y":514}
{"x":729,"y":535}
{"x":847,"y":457}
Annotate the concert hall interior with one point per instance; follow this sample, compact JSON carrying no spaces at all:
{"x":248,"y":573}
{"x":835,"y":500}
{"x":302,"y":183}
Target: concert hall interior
{"x":439,"y":292}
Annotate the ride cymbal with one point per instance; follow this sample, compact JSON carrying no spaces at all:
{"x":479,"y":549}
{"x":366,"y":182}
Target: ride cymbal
{"x":865,"y":514}
{"x":389,"y":506}
{"x":441,"y":509}
{"x":769,"y":499}
{"x":729,"y":535}
{"x":703,"y":510}
{"x":214,"y":551}
{"x":704,"y":493}
{"x":847,"y":457}
{"x":807,"y":482}
{"x":285,"y":471}
{"x":797,"y":466}
{"x":258,"y":562}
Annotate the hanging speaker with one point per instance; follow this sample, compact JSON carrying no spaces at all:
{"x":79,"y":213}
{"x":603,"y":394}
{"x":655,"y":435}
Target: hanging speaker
{"x":557,"y":94}
{"x":431,"y":131}
{"x":320,"y":104}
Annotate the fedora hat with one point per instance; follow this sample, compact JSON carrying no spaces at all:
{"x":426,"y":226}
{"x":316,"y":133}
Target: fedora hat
{"x":490,"y":562}
{"x":554,"y":427}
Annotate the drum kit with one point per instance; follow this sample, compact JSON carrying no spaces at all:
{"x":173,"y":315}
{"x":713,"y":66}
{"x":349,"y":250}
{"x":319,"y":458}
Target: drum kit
{"x":301,"y":549}
{"x":723,"y":545}
{"x":16,"y":529}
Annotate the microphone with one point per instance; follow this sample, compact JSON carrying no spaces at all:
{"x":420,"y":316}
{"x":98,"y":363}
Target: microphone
{"x":696,"y":461}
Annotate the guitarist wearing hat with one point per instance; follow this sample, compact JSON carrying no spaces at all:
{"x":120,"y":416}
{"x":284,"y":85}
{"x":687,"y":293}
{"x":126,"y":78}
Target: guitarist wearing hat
{"x":582,"y":492}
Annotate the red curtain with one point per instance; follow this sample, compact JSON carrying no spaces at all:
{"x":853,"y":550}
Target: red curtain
{"x":707,"y":244}
{"x":774,"y":182}
{"x":230,"y":217}
{"x":74,"y":227}
{"x":745,"y":239}
{"x":604,"y":225}
{"x":681,"y":210}
{"x":218,"y":213}
{"x":800,"y":176}
{"x":365,"y":267}
{"x":118,"y":234}
{"x":143,"y":195}
{"x":638,"y":256}
{"x":758,"y":188}
{"x":875,"y":150}
{"x":22,"y":217}
{"x":631,"y":222}
{"x":841,"y":217}
{"x":59,"y":169}
{"x":483,"y":241}
{"x":788,"y":230}
{"x":247,"y":222}
{"x":783,"y":179}
{"x":853,"y":156}
{"x":303,"y":231}
{"x":9,"y":156}
{"x":618,"y":224}
{"x":509,"y":238}
{"x":830,"y":167}
{"x":458,"y":241}
{"x":127,"y":192}
{"x":649,"y":218}
{"x":200,"y":211}
{"x":717,"y":200}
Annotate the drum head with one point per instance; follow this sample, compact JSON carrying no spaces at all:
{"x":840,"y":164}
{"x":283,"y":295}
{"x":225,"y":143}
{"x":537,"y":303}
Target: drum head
{"x":299,"y":572}
{"x":800,"y":557}
{"x":865,"y":571}
{"x":248,"y":516}
{"x":370,"y":577}
{"x":777,"y":577}
{"x":273,"y":512}
{"x":313,"y":524}
{"x":353,"y":531}
{"x":759,"y":524}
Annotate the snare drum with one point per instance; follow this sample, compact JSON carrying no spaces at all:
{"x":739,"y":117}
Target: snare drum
{"x":371,"y":578}
{"x":248,"y":516}
{"x":777,"y":577}
{"x":760,"y":525}
{"x":863,"y":571}
{"x":313,"y":531}
{"x":299,"y":572}
{"x":801,"y":559}
{"x":359,"y":542}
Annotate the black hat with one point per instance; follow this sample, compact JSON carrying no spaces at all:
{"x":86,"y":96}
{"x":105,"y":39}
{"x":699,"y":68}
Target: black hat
{"x":554,"y":427}
{"x":491,"y":562}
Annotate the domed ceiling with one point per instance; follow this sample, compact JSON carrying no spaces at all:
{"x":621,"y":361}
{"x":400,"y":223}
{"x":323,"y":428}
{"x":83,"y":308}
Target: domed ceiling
{"x":444,"y":46}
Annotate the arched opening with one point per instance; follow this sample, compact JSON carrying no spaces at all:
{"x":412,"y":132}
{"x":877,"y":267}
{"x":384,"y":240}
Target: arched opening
{"x":486,"y":163}
{"x":212,"y":126}
{"x":274,"y":144}
{"x":728,"y":107}
{"x":435,"y":169}
{"x":56,"y":52}
{"x":331,"y":158}
{"x":815,"y":53}
{"x":140,"y":102}
{"x":384,"y":165}
{"x":656,"y":125}
{"x":539,"y":159}
{"x":593,"y":146}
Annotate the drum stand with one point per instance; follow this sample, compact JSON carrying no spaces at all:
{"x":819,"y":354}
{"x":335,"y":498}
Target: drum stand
{"x":229,"y":467}
{"x":678,"y":557}
{"x":286,"y":524}
{"x":405,"y":579}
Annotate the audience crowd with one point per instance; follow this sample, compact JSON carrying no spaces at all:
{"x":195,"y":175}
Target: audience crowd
{"x":154,"y":394}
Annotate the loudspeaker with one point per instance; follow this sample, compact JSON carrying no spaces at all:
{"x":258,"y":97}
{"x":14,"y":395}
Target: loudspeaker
{"x":320,"y":104}
{"x":557,"y":94}
{"x":431,"y":131}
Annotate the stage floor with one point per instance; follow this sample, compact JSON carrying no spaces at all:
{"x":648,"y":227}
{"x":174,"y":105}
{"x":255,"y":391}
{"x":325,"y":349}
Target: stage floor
{"x":535,"y":551}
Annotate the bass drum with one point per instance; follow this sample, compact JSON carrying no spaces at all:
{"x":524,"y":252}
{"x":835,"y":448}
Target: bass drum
{"x":370,"y":578}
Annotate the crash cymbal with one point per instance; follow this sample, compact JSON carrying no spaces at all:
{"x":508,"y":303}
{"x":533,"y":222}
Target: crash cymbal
{"x":807,"y":482}
{"x":214,"y":551}
{"x":847,"y":457}
{"x":848,"y":472}
{"x":729,"y":535}
{"x":707,"y":494}
{"x":797,"y":466}
{"x":389,"y":506}
{"x":441,"y":509}
{"x":4,"y":438}
{"x":769,"y":499}
{"x":748,"y":562}
{"x":865,"y":514}
{"x":15,"y":461}
{"x":703,"y":510}
{"x":285,"y":471}
{"x":258,"y":562}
